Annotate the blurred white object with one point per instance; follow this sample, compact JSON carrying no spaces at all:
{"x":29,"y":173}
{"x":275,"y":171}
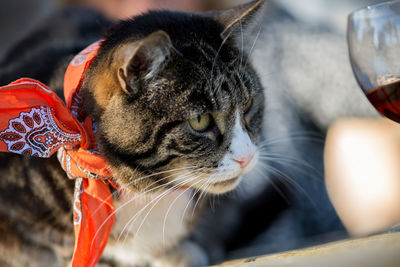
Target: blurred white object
{"x":362,"y":169}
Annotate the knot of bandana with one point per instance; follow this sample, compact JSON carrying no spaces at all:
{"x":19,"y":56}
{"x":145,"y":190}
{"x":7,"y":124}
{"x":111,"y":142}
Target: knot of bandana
{"x":34,"y":121}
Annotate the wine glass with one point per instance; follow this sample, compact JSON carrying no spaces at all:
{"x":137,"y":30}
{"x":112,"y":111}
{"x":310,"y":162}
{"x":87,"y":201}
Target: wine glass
{"x":374,"y":45}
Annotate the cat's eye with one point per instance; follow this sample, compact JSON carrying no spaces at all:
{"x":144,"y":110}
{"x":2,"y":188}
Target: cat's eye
{"x":200,"y":123}
{"x":248,"y":106}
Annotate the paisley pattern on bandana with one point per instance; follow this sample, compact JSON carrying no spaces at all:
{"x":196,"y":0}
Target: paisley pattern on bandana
{"x":37,"y":133}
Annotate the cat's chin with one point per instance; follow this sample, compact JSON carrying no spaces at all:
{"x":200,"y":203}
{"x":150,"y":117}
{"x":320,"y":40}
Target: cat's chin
{"x":223,"y":187}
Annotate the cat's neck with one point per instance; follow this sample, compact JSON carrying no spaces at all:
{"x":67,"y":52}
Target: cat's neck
{"x":149,"y":223}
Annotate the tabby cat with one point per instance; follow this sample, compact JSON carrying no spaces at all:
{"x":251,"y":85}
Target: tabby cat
{"x":179,"y":111}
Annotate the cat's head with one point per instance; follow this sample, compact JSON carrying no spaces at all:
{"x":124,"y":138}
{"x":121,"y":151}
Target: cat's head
{"x":177,"y":101}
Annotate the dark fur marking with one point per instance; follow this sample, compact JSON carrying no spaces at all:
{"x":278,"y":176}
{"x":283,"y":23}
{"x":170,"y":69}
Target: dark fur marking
{"x":125,"y":156}
{"x":174,"y":146}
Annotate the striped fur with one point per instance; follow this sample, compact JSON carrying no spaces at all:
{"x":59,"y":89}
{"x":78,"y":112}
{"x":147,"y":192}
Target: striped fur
{"x":35,"y":212}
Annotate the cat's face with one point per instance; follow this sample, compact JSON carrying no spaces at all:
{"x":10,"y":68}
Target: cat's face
{"x":176,"y":108}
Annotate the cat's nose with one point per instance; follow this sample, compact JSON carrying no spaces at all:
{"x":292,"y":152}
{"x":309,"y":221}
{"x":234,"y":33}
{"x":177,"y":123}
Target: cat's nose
{"x":244,"y":161}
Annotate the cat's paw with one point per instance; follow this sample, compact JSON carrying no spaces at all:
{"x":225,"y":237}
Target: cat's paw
{"x":187,"y":254}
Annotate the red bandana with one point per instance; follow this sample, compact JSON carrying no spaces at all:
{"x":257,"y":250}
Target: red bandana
{"x":34,"y":121}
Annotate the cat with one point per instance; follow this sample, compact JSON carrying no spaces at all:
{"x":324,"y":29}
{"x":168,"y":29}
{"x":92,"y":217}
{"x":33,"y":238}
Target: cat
{"x":179,"y":108}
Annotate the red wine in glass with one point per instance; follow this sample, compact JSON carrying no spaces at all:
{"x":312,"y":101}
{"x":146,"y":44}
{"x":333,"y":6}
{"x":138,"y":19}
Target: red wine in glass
{"x":373,"y":36}
{"x":386,"y":99}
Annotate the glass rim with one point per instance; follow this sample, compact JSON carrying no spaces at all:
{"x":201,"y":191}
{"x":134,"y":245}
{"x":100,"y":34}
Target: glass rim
{"x":370,"y":8}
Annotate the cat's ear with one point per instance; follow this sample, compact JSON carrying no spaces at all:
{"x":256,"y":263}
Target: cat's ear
{"x":238,"y":19}
{"x":143,"y":60}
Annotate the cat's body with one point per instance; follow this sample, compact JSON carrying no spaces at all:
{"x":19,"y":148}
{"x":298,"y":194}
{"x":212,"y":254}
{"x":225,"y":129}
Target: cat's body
{"x":29,"y":221}
{"x":152,"y":118}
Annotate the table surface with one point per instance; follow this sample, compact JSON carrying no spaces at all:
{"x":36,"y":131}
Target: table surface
{"x":378,"y":250}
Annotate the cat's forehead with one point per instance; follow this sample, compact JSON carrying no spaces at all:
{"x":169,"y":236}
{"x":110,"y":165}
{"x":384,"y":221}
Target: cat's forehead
{"x":219,"y":72}
{"x":189,"y":92}
{"x":204,"y":80}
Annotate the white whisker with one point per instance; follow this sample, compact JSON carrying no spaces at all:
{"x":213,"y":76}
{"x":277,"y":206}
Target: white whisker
{"x":181,"y":177}
{"x":289,"y":180}
{"x":137,"y":195}
{"x":140,"y":179}
{"x":254,"y":43}
{"x":203,"y":192}
{"x":188,"y":204}
{"x":217,"y":54}
{"x":242,"y":50}
{"x":281,"y":159}
{"x":157,"y":200}
{"x":276,"y":187}
{"x":302,"y":136}
{"x":172,"y":203}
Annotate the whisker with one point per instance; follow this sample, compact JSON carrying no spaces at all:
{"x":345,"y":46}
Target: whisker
{"x":181,"y":177}
{"x":157,"y":200}
{"x":242,"y":52}
{"x":217,"y":54}
{"x":164,"y":178}
{"x":212,"y":202}
{"x":203,"y":192}
{"x":254,"y":43}
{"x":137,"y":195}
{"x":172,"y":203}
{"x":283,"y":195}
{"x":197,"y":190}
{"x":312,"y":136}
{"x":280,"y":159}
{"x":290,"y":180}
{"x":291,"y":139}
{"x":140,"y":179}
{"x":153,"y":202}
{"x":282,"y":175}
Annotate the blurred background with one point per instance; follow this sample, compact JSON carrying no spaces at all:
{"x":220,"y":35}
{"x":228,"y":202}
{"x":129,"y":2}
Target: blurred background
{"x":19,"y":17}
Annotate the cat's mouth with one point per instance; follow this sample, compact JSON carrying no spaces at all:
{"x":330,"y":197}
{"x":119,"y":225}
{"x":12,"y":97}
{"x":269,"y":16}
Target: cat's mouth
{"x":218,"y":187}
{"x":202,"y":179}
